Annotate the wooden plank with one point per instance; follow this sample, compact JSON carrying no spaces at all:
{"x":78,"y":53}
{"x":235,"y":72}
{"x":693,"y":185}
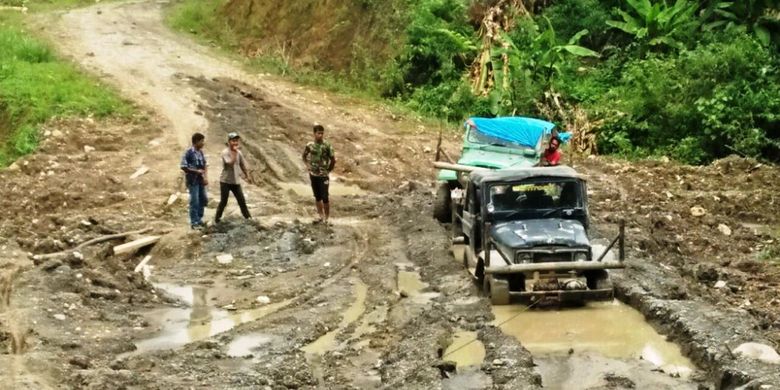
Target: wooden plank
{"x":142,"y":264}
{"x":133,"y":245}
{"x":141,"y":171}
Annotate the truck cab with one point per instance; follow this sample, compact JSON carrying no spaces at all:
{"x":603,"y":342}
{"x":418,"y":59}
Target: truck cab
{"x":493,"y":143}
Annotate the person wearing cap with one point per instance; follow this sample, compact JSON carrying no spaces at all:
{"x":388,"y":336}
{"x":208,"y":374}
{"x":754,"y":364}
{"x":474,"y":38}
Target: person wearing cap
{"x":230,"y":178}
{"x":320,"y":160}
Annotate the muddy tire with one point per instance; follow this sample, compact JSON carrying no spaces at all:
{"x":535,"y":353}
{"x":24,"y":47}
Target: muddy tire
{"x":598,"y":280}
{"x":441,"y":205}
{"x":497,"y":290}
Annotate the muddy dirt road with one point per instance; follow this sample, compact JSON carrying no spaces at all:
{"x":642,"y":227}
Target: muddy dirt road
{"x":374,"y":301}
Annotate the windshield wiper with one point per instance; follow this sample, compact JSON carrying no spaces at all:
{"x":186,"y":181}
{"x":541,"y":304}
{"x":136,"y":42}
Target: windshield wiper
{"x":512,"y":214}
{"x":570,"y":211}
{"x":553,"y":211}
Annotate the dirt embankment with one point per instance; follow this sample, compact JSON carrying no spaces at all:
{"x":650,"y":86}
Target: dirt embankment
{"x":715,"y":225}
{"x":332,"y":36}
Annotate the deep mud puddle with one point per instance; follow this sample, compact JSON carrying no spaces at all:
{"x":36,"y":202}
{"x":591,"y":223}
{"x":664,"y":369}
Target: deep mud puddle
{"x":198,"y":321}
{"x":248,"y":344}
{"x":595,"y":345}
{"x":467,"y":352}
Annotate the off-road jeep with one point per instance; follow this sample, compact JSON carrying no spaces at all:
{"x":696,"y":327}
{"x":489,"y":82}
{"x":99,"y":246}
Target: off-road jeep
{"x":526,"y":235}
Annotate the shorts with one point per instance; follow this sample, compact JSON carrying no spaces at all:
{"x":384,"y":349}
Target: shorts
{"x":319,"y":185}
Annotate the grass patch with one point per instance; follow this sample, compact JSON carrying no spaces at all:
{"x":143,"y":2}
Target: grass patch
{"x":36,"y":86}
{"x":46,"y":5}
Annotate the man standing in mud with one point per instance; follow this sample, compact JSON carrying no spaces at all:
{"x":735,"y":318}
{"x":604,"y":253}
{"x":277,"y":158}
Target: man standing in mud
{"x":193,"y":163}
{"x":230,"y":178}
{"x":320,"y":160}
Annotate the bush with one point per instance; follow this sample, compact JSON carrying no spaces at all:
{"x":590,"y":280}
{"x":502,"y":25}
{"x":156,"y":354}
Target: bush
{"x":713,"y":100}
{"x":202,"y":17}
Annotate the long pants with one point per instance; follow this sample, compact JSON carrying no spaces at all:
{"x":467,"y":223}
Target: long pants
{"x":224,"y":191}
{"x":198,"y":200}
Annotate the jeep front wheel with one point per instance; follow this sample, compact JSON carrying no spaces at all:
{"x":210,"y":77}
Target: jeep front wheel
{"x":497,"y":289}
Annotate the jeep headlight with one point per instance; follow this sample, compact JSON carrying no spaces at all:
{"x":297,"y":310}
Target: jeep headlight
{"x":581,"y":256}
{"x":524,"y":258}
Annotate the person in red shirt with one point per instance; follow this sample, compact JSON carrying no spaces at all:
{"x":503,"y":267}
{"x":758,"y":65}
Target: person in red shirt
{"x":552,"y":155}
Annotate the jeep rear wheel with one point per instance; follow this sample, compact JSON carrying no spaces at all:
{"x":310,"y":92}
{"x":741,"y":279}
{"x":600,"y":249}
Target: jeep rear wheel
{"x":441,"y":205}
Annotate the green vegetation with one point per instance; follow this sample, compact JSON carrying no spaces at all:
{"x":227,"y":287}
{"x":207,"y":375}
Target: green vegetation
{"x":694,"y":80}
{"x":35,"y":86}
{"x":46,"y":5}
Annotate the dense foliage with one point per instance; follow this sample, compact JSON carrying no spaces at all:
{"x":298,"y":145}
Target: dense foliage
{"x":693,"y":80}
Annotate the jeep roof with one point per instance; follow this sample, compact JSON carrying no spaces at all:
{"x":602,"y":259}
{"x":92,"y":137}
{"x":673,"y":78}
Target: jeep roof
{"x":509,"y":175}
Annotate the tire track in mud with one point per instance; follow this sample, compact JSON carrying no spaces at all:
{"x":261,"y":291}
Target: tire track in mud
{"x":13,"y":331}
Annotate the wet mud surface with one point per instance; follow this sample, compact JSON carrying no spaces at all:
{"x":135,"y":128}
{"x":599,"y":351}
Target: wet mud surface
{"x":377,"y":299}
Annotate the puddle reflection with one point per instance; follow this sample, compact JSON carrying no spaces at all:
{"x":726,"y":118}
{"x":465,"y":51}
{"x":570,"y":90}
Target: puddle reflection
{"x":181,"y":326}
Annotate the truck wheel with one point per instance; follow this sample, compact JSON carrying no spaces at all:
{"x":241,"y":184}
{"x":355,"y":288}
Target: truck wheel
{"x":598,"y":280}
{"x":497,"y":289}
{"x":441,"y":205}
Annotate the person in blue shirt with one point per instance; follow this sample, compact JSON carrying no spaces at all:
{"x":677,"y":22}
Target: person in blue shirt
{"x":193,"y":163}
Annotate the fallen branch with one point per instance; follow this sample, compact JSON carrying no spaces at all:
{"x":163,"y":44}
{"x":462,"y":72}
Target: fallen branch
{"x":447,"y":156}
{"x":133,"y":245}
{"x":88,"y":243}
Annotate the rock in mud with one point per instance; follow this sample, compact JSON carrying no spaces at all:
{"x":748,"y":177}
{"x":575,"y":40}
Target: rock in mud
{"x":698,"y":211}
{"x":758,"y":351}
{"x":80,"y":361}
{"x":118,"y":364}
{"x":225,"y":258}
{"x":51,"y":265}
{"x":618,"y":382}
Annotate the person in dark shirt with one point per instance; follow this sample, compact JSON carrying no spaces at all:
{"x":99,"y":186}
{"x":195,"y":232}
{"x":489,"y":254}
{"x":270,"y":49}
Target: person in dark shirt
{"x":552,"y":155}
{"x":195,"y":168}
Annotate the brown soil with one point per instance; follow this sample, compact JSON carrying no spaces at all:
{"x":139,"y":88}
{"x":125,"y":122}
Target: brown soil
{"x":334,"y":36}
{"x":735,"y":241}
{"x":88,"y":320}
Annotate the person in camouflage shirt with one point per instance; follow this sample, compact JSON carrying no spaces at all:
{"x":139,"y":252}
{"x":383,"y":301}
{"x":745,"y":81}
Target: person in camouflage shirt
{"x":320,"y":160}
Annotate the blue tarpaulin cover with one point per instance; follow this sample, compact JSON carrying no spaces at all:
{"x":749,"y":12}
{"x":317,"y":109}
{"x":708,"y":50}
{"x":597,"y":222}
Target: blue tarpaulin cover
{"x":520,"y":130}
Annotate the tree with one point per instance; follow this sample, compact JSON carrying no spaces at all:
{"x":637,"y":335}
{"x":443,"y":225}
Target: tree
{"x":657,"y":23}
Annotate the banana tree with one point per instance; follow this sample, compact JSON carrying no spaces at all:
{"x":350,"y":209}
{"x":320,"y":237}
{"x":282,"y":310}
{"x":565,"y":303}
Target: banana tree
{"x":514,"y":67}
{"x":550,"y":54}
{"x":760,"y":16}
{"x":656,"y":23}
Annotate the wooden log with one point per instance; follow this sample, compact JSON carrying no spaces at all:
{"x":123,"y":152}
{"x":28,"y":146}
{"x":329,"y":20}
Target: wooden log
{"x":141,"y":171}
{"x":90,"y":242}
{"x":133,"y":245}
{"x":142,"y":264}
{"x":457,"y":167}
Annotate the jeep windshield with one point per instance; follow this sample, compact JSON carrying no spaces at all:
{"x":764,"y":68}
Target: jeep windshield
{"x":476,"y":137}
{"x":537,"y":199}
